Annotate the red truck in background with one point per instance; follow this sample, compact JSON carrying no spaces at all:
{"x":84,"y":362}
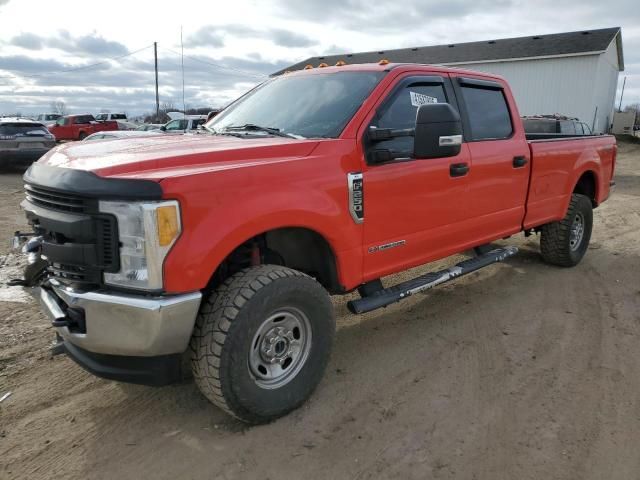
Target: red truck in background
{"x":223,"y":248}
{"x":77,"y":127}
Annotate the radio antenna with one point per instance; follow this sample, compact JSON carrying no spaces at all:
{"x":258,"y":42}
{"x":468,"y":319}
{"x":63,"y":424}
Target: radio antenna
{"x":184,"y":107}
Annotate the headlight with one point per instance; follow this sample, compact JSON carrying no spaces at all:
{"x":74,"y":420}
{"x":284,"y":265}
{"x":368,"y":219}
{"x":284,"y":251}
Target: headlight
{"x":147,"y":232}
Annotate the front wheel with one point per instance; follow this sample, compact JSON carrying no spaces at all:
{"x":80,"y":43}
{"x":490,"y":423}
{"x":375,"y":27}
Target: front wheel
{"x":262,"y":342}
{"x":564,"y":243}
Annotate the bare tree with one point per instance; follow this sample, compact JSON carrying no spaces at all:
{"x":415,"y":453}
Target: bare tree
{"x":59,"y":107}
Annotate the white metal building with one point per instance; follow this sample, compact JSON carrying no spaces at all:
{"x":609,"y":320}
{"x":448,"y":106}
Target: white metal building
{"x":573,"y":74}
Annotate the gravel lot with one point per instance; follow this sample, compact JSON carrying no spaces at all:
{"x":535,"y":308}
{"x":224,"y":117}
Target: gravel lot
{"x":521,"y":371}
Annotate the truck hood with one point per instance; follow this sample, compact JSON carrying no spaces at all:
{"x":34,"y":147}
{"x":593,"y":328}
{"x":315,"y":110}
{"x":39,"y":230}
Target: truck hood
{"x":161,"y":156}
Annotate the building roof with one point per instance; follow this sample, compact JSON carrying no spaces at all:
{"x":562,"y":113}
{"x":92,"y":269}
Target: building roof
{"x":554,"y":45}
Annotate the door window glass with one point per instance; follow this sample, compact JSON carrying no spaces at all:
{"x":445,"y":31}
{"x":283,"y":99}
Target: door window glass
{"x":488,"y":112}
{"x":400,"y":112}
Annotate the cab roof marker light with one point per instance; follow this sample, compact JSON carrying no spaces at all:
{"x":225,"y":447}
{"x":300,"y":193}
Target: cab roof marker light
{"x":308,"y":67}
{"x":384,"y":61}
{"x":340,"y":63}
{"x":322,"y":65}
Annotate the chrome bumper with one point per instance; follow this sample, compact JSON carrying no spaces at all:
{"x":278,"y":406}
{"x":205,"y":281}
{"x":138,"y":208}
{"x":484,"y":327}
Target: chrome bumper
{"x":122,"y":324}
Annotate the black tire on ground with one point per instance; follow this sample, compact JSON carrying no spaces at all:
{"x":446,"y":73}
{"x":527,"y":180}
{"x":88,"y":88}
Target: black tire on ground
{"x":243,"y":333}
{"x":82,"y":136}
{"x":564,"y":243}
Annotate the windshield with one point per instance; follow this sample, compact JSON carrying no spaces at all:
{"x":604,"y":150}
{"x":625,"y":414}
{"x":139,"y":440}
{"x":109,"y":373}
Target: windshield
{"x":102,"y":116}
{"x":318,"y":105}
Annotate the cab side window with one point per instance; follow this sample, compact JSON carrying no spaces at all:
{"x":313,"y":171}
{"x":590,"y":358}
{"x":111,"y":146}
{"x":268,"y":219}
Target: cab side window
{"x":488,"y":113}
{"x":399,"y":112}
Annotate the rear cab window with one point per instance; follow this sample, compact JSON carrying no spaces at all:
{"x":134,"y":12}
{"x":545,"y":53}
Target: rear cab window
{"x":567,"y":127}
{"x":487,"y":110}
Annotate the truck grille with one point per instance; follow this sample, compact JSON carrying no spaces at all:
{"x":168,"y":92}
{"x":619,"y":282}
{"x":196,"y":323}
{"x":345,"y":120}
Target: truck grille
{"x":108,"y":242}
{"x":94,"y":229}
{"x":62,"y":202}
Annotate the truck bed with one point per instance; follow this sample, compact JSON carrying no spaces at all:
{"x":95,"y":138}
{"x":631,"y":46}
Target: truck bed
{"x":557,"y":164}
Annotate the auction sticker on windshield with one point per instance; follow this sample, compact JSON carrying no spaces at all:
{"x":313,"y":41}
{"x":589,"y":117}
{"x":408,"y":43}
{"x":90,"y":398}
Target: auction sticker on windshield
{"x":418,"y":99}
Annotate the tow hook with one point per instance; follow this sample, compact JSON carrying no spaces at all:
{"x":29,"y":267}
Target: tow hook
{"x":36,"y":265}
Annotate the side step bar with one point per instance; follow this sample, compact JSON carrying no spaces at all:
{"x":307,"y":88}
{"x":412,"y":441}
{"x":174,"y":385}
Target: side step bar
{"x":399,"y":292}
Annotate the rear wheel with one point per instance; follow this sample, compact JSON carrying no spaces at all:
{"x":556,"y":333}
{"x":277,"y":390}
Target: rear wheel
{"x":564,"y":243}
{"x":262,"y":342}
{"x":82,"y":136}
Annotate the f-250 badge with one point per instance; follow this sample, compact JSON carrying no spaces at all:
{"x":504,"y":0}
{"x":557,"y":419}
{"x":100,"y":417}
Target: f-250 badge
{"x":356,"y":196}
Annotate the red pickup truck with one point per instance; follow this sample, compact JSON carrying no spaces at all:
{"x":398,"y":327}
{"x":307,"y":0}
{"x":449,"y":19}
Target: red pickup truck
{"x":77,"y":127}
{"x":222,"y":248}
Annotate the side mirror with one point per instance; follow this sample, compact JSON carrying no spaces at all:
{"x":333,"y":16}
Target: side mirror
{"x":163,"y":128}
{"x":438,"y":131}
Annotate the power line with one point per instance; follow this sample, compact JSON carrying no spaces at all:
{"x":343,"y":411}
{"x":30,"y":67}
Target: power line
{"x":216,"y":65}
{"x":75,"y":69}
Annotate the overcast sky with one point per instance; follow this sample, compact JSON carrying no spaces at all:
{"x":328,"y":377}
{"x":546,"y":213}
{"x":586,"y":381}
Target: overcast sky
{"x":231,"y":46}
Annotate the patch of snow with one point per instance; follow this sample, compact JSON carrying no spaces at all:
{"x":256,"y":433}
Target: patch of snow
{"x":11,"y":266}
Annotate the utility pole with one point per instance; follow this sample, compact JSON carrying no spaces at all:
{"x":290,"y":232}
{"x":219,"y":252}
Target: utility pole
{"x":622,"y":94}
{"x":155,"y":55}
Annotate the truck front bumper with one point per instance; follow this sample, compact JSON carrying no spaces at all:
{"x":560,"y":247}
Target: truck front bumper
{"x":124,"y":337}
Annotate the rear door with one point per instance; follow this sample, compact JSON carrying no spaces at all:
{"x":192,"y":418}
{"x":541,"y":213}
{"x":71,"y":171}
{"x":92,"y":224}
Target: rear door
{"x":499,"y":176}
{"x":413,"y":206}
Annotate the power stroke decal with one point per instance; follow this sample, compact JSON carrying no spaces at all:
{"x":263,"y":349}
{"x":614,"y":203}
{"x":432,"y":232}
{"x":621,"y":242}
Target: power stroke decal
{"x":356,"y":196}
{"x":386,"y":246}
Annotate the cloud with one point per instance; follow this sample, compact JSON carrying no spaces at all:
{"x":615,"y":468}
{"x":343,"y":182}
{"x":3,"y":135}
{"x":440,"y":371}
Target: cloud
{"x":129,"y":84}
{"x":86,"y":44}
{"x":215,"y":35}
{"x":386,"y":16}
{"x":30,"y":41}
{"x":205,"y":37}
{"x":287,"y":38}
{"x":93,"y":44}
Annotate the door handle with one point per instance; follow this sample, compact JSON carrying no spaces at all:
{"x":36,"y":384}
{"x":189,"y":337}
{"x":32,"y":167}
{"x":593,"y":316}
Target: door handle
{"x":458,"y":169}
{"x":519,"y":161}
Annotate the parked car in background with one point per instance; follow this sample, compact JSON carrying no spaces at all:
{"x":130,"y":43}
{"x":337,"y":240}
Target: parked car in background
{"x":48,"y":118}
{"x":23,"y":141}
{"x":541,"y":125}
{"x":103,"y":117}
{"x":121,"y":134}
{"x":149,"y":126}
{"x":77,"y":127}
{"x":189,"y":123}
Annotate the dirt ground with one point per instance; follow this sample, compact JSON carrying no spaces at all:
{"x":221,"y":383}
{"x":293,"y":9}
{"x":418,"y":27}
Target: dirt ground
{"x":521,"y":371}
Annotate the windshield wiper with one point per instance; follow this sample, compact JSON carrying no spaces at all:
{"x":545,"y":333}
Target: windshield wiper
{"x":257,"y":128}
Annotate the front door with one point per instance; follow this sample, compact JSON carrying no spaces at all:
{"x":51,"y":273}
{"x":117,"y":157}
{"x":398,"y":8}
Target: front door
{"x":413,"y":208}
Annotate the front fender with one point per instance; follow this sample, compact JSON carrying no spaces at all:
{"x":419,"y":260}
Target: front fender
{"x":222,"y":210}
